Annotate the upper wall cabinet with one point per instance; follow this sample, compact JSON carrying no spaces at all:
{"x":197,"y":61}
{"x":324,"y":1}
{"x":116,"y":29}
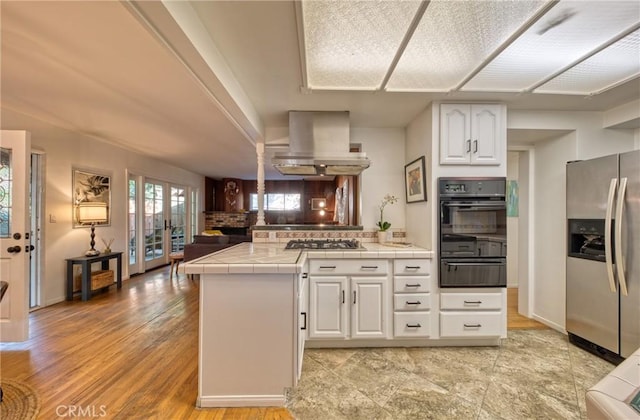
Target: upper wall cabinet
{"x":472,"y":134}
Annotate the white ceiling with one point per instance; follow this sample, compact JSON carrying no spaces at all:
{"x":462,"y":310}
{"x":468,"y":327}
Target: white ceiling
{"x":194,"y":84}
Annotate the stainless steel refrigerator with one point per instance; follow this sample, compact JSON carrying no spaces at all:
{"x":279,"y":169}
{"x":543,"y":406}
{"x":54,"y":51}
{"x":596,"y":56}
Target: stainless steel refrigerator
{"x":603,"y":254}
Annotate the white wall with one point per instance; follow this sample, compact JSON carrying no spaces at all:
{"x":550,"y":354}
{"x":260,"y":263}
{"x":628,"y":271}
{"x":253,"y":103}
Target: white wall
{"x":64,"y":150}
{"x":420,"y":215}
{"x":550,"y":249}
{"x":385,"y":147}
{"x":513,"y":170}
{"x":587,"y":140}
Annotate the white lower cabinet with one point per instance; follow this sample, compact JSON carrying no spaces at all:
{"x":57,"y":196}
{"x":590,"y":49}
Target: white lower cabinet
{"x":327,"y":309}
{"x":412,"y":298}
{"x":412,"y":324}
{"x":368,"y":307}
{"x":303,"y":312}
{"x":347,"y":307}
{"x":470,"y":324}
{"x":473,"y":313}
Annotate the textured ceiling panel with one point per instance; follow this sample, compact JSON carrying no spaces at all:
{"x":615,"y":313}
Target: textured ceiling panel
{"x":453,"y":38}
{"x":351,"y":44}
{"x":618,"y":62}
{"x":568,"y":32}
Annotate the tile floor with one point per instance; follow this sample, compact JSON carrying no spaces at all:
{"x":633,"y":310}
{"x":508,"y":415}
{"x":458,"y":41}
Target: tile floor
{"x":534,"y":374}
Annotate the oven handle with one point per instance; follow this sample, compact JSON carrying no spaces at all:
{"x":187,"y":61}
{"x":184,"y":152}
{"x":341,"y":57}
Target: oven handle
{"x":478,"y":263}
{"x":496,"y":205}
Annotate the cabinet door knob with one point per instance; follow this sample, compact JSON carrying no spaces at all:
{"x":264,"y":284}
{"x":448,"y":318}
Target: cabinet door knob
{"x":475,"y":146}
{"x":414,"y":325}
{"x":468,"y":146}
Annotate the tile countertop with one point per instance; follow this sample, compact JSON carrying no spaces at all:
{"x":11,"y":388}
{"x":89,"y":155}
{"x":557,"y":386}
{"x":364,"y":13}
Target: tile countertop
{"x":249,"y":257}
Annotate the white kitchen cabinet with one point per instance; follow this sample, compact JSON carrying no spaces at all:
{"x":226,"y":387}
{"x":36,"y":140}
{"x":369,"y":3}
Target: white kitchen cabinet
{"x":412,"y":298}
{"x":472,"y":134}
{"x":337,"y":302}
{"x":303,"y":308}
{"x":466,"y":313}
{"x":327,"y":308}
{"x":343,"y":303}
{"x":368,"y":307}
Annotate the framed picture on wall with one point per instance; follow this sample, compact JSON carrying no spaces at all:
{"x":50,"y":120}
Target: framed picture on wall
{"x":415,"y":181}
{"x":91,"y":188}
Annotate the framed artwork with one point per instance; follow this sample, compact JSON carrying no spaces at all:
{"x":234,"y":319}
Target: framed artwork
{"x":415,"y":181}
{"x":90,"y":187}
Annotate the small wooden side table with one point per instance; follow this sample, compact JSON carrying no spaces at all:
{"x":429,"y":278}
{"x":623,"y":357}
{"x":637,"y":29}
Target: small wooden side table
{"x":85,"y":262}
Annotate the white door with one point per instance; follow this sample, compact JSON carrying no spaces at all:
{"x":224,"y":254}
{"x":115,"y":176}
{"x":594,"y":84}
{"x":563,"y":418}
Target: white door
{"x":327,"y":307}
{"x":368,"y":307}
{"x":178,"y":217}
{"x":15,"y":150}
{"x":155,"y":249}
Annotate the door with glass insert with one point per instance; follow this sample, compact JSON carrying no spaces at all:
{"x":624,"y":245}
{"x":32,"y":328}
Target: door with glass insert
{"x":15,"y":149}
{"x":154,"y":247}
{"x":178,"y":219}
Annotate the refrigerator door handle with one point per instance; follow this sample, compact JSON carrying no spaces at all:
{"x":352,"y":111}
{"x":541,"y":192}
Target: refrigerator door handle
{"x":618,"y":237}
{"x":607,"y":233}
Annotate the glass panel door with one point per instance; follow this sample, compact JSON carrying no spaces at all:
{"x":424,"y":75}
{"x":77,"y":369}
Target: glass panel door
{"x":194,"y":215}
{"x":154,"y":225}
{"x":178,"y":219}
{"x":132,"y":225}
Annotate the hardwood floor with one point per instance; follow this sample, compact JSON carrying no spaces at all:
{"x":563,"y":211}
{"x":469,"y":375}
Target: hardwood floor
{"x":515,"y":321}
{"x":128,"y":354}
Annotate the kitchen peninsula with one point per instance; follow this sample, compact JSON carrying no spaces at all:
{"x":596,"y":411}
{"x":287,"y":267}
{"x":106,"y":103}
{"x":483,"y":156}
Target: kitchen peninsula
{"x":260,"y":302}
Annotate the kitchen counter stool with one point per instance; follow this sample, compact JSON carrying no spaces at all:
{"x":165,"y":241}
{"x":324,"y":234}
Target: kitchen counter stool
{"x":175,"y":258}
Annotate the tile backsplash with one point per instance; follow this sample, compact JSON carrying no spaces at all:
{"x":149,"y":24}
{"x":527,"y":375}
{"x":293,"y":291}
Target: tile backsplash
{"x":361,"y":235}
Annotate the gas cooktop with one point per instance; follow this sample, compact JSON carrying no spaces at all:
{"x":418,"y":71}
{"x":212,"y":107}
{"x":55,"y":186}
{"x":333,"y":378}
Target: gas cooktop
{"x":345,"y":244}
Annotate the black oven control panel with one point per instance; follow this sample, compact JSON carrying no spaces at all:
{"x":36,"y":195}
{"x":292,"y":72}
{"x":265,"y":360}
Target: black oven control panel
{"x":471,"y":187}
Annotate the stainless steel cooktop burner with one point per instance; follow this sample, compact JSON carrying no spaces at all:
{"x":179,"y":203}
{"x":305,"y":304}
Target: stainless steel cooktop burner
{"x":345,"y":244}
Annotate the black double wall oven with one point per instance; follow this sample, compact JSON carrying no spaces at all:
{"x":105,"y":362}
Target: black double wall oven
{"x":473,"y":232}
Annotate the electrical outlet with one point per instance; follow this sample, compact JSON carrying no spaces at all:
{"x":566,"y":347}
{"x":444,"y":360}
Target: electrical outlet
{"x":272,"y":236}
{"x":52,"y":218}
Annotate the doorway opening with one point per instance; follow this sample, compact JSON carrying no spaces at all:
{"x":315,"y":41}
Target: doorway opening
{"x":36,"y":214}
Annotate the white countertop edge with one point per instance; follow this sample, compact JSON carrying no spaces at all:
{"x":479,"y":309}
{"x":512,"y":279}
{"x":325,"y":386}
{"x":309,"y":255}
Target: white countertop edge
{"x":204,"y":265}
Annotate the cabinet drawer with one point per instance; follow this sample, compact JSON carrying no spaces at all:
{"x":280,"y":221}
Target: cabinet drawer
{"x":471,"y":301}
{"x":412,"y":324}
{"x":346,"y":267}
{"x":412,"y":266}
{"x":470,"y":324}
{"x":412,"y":284}
{"x":412,"y":302}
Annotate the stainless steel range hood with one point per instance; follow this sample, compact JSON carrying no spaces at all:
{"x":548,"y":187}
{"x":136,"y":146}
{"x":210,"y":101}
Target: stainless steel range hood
{"x":319,"y":145}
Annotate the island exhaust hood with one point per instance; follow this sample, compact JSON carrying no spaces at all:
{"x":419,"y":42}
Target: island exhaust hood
{"x":319,"y":145}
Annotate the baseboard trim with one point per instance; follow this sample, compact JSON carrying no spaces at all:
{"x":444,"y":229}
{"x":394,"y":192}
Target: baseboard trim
{"x":211,"y":401}
{"x":550,"y":324}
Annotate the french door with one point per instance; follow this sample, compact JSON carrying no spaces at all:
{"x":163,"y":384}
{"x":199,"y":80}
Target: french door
{"x":158,"y":222}
{"x":154,"y":250}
